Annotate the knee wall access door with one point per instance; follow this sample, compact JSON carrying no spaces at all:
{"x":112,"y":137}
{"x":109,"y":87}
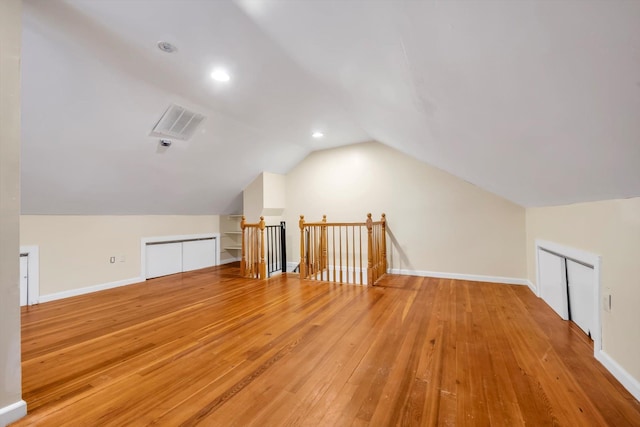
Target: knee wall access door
{"x":170,"y":257}
{"x":569,"y":287}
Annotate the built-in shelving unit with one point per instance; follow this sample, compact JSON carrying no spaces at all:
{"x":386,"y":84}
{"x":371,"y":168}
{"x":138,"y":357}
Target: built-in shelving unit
{"x":230,"y":228}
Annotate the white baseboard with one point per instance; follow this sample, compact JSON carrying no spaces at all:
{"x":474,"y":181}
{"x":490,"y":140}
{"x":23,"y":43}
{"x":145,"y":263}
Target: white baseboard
{"x":291,"y":266}
{"x":103,"y":286}
{"x":625,"y":378}
{"x":532,"y":287}
{"x":89,"y":289}
{"x":458,"y":276}
{"x":230,"y":260}
{"x":13,"y":412}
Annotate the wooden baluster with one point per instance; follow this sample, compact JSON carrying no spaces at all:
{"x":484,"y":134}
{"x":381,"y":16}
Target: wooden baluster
{"x":316,"y":247}
{"x":318,"y":253}
{"x":340,"y":246}
{"x":312,"y":251}
{"x":361,"y":266}
{"x":262,"y":273}
{"x":303,"y":256}
{"x":383,"y":243}
{"x":353,"y":257}
{"x":375,"y":253}
{"x":370,"y":250}
{"x":346,"y":252}
{"x":333,"y":243}
{"x":378,"y":252}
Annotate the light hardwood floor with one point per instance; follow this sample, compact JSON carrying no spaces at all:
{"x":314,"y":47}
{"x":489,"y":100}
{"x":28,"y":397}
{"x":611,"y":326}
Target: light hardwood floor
{"x":213,"y":349}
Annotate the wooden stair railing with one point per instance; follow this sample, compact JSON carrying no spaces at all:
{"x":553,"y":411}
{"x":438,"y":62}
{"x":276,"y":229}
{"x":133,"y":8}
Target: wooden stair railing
{"x":253,"y":264}
{"x":334,"y":252}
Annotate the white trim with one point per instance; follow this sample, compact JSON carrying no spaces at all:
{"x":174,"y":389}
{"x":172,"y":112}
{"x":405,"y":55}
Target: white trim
{"x":89,"y":289}
{"x":230,"y":260}
{"x":33,"y":271}
{"x":537,"y":253}
{"x":532,"y":287}
{"x":13,"y":412}
{"x":179,"y":237}
{"x":587,"y":258}
{"x":458,"y":276}
{"x":625,"y":378}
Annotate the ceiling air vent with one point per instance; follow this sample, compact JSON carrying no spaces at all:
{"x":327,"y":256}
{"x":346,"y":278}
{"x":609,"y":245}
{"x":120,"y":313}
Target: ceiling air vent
{"x":177,"y":122}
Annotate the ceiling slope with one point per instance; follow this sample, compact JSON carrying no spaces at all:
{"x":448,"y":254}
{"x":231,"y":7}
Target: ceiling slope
{"x":95,"y":84}
{"x":536,"y":101}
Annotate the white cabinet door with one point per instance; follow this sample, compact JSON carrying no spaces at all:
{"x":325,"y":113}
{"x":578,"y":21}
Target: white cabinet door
{"x":198,"y":254}
{"x":24,"y":279}
{"x":163,"y":259}
{"x":581,"y":295}
{"x":553,"y":282}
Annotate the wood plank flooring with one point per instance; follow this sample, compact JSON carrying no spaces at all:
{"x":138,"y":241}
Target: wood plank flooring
{"x":209,"y":348}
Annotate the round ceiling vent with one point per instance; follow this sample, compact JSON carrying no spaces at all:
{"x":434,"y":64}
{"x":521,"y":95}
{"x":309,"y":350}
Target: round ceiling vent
{"x":166,"y":47}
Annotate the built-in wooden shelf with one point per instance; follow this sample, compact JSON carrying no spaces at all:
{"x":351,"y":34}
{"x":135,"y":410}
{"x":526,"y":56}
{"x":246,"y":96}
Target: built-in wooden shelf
{"x":230,"y":226}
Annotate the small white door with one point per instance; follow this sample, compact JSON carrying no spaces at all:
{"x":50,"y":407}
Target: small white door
{"x":198,"y":254}
{"x":581,"y":295}
{"x":163,"y":259}
{"x":553,"y":282}
{"x":24,"y":279}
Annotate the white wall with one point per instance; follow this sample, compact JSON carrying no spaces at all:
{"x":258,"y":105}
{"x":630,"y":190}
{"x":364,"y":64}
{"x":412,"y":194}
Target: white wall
{"x":75,"y":250}
{"x":273,"y":194}
{"x":611,"y":229}
{"x":10,"y":373}
{"x":436,"y":222}
{"x":252,"y":199}
{"x":265,"y":196}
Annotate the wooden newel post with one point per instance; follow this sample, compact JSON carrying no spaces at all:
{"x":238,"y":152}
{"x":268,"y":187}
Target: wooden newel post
{"x":370,"y":278}
{"x":263,"y":264}
{"x":303,"y":255}
{"x":243,"y":261}
{"x":384,"y":243}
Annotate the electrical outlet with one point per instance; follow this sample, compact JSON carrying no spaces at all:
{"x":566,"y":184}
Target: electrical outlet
{"x":121,"y":258}
{"x":112,"y":260}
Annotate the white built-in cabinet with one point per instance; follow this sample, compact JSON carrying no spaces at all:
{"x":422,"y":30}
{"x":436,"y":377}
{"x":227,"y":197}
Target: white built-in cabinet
{"x":164,"y":256}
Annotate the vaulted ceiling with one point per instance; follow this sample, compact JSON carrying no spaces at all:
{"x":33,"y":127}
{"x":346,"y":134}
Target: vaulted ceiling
{"x":536,"y":101}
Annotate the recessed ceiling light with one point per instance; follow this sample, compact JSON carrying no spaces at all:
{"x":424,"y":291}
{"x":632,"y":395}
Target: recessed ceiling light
{"x":166,"y":47}
{"x":220,"y":75}
{"x":317,"y":135}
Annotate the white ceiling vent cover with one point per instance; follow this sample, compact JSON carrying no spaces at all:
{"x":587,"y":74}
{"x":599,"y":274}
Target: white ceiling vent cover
{"x":177,"y":122}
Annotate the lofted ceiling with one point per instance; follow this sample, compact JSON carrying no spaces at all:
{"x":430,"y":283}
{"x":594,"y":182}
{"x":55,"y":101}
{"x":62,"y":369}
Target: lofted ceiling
{"x":536,"y":101}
